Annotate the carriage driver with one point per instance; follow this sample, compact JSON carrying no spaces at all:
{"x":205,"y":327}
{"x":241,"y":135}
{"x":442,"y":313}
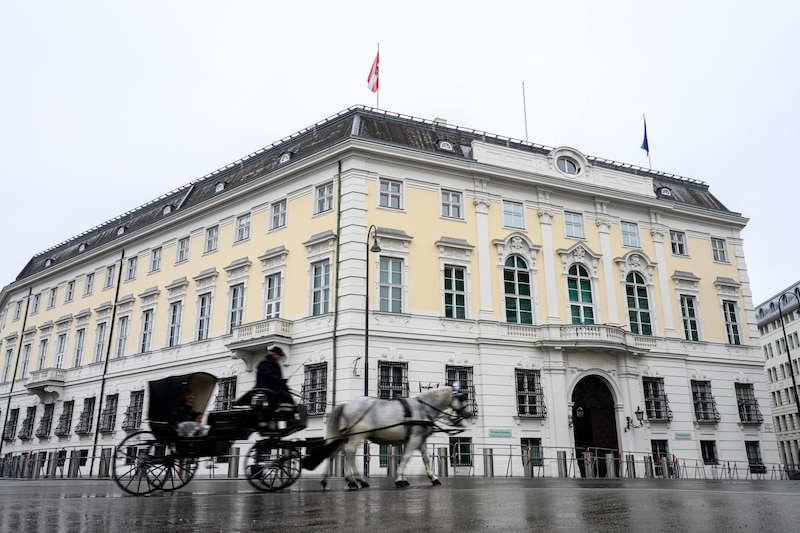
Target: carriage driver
{"x":270,"y":377}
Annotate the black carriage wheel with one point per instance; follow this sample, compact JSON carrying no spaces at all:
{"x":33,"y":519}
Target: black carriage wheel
{"x":140,"y":465}
{"x":269,"y":469}
{"x":180,"y":471}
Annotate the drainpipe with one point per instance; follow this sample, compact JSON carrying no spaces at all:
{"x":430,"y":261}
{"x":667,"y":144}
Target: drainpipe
{"x":16,"y":365}
{"x":338,"y":263}
{"x":105,"y":365}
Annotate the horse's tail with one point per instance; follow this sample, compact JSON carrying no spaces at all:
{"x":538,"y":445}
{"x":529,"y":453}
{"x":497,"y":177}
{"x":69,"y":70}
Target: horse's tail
{"x":333,"y":441}
{"x":334,"y":428}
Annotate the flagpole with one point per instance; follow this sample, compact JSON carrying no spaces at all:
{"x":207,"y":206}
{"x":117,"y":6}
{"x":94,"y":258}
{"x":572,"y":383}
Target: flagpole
{"x":525,"y":111}
{"x":646,"y":144}
{"x":378,"y":92}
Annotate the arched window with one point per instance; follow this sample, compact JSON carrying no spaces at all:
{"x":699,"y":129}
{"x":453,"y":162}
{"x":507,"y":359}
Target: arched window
{"x":580,"y":295}
{"x":638,"y":306}
{"x":517,"y":290}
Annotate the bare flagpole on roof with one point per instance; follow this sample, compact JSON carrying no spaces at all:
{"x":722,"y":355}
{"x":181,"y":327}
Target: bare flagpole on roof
{"x":525,"y":110}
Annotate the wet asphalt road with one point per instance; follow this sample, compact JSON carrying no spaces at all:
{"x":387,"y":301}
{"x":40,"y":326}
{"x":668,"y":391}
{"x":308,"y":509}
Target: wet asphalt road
{"x":460,"y":504}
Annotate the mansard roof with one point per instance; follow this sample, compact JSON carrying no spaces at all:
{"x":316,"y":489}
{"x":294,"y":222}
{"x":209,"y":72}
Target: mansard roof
{"x":358,"y":122}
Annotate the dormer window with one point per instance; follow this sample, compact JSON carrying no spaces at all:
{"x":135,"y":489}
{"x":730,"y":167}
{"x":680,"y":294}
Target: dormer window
{"x":665,"y":191}
{"x":445,"y":146}
{"x":568,"y":165}
{"x":220,"y":187}
{"x":285,"y":158}
{"x":167,"y":210}
{"x":82,"y":247}
{"x":48,"y":262}
{"x":121,"y":230}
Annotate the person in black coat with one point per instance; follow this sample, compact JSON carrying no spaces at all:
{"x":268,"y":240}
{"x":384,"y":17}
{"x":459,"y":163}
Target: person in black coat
{"x":270,"y":377}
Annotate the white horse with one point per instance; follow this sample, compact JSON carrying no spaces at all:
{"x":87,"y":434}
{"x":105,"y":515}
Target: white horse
{"x":407,"y":420}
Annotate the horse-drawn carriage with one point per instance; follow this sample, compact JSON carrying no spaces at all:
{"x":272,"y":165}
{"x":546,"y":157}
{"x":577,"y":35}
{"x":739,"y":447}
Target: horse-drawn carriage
{"x":166,"y":457}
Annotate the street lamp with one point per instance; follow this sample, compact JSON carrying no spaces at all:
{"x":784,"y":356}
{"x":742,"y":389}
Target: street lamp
{"x":784,"y":297}
{"x":374,"y":248}
{"x":639,"y":416}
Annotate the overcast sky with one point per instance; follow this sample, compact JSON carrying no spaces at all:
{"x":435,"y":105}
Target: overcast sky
{"x":105,"y":105}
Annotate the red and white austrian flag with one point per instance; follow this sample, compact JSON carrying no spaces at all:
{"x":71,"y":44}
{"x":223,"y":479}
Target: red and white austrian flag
{"x":372,"y":79}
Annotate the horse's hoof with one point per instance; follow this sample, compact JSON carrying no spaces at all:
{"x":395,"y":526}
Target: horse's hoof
{"x":324,"y":484}
{"x":364,"y":485}
{"x":352,"y":485}
{"x":402,"y":483}
{"x":436,"y":482}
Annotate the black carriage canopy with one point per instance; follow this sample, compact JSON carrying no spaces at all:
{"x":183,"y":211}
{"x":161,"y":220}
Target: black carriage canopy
{"x":166,"y":395}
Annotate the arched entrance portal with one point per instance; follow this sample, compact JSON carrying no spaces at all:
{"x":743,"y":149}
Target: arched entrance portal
{"x":593,"y":423}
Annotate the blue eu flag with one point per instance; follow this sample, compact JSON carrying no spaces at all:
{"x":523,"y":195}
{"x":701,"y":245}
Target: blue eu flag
{"x":645,"y":146}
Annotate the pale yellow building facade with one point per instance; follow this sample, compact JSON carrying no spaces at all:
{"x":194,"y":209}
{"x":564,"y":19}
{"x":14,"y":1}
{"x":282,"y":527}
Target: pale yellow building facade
{"x":565,"y":291}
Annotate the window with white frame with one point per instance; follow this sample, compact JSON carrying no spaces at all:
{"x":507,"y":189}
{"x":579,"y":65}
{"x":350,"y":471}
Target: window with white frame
{"x":278,"y":215}
{"x":512,"y":215}
{"x":749,"y":413}
{"x":37,"y":298}
{"x":242,"y":228}
{"x":203,"y":316}
{"x":147,"y":331}
{"x":390,"y":194}
{"x":86,"y":418}
{"x":99,"y":342}
{"x":183,"y":250}
{"x":26,"y":431}
{"x":212,"y":239}
{"x":579,"y":286}
{"x":65,"y":419}
{"x":392,"y":380}
{"x":530,"y":397}
{"x":705,"y":407}
{"x":7,"y":365}
{"x":689,"y":317}
{"x":10,"y":429}
{"x":272,"y":301}
{"x":51,"y":302}
{"x":719,"y":250}
{"x":61,"y":348}
{"x":708,"y":450}
{"x":321,"y":287}
{"x":26,"y":361}
{"x":68,"y":297}
{"x":133,"y":263}
{"x":656,"y":404}
{"x":226,"y":394}
{"x":390,"y":285}
{"x":455,"y":292}
{"x":17,"y":310}
{"x":237,"y":306}
{"x":753,"y":450}
{"x":677,"y":240}
{"x":630,"y":234}
{"x":88,"y":284}
{"x":123,"y":323}
{"x":315,"y":388}
{"x":517,"y":291}
{"x":638,"y":304}
{"x":452,"y":204}
{"x":324,"y":197}
{"x":155,"y":260}
{"x":80,"y":343}
{"x":46,"y":423}
{"x":108,"y":418}
{"x":174,"y":329}
{"x":732,"y":328}
{"x":463,"y":375}
{"x":43,"y":345}
{"x":111,"y":271}
{"x":573,"y":225}
{"x":133,"y":415}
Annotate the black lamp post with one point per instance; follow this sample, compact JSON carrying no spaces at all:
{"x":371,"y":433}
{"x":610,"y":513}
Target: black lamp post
{"x":784,"y":296}
{"x":374,"y":248}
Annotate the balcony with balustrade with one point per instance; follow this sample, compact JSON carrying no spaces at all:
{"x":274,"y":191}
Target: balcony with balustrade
{"x":249,"y":342}
{"x":47,"y":383}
